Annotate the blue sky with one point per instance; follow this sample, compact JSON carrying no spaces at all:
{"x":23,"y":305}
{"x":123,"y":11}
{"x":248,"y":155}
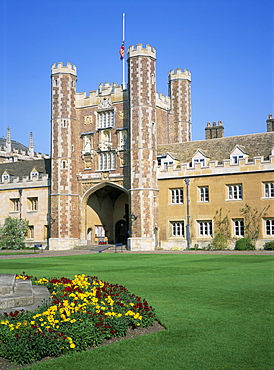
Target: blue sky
{"x":226,"y":44}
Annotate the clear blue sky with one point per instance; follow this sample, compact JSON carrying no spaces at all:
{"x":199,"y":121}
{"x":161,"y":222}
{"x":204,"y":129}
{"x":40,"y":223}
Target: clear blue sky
{"x":226,"y":44}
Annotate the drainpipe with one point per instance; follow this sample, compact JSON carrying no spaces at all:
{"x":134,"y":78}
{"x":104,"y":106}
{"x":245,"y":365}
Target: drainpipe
{"x":187,"y":181}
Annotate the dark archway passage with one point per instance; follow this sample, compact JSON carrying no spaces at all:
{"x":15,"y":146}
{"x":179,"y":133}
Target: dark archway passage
{"x":107,"y":215}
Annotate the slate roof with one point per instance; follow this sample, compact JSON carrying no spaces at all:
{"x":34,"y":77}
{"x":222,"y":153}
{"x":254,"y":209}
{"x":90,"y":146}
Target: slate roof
{"x":14,"y":145}
{"x":219,"y":149}
{"x":24,"y":168}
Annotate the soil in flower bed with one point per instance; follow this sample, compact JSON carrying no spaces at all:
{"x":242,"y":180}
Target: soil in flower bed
{"x":131,"y":333}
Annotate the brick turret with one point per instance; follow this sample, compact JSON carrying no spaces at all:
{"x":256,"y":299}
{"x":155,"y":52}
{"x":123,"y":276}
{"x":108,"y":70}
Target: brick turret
{"x":64,"y":194}
{"x":143,"y":182}
{"x":180,"y":129}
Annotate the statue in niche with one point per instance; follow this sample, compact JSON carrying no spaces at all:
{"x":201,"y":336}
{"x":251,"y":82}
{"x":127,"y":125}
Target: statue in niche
{"x":123,"y":139}
{"x":105,"y":141}
{"x":87,"y":144}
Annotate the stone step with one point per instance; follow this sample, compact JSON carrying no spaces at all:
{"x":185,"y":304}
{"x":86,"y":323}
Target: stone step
{"x":22,"y":296}
{"x":7,"y":282}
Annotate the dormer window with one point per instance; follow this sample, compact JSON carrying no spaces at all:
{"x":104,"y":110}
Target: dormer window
{"x":165,"y":161}
{"x":235,"y":158}
{"x":6,"y":177}
{"x":199,"y":157}
{"x":34,"y":174}
{"x":237,"y":153}
{"x":199,"y":160}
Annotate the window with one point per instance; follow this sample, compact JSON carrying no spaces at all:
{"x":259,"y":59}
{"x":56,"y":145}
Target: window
{"x":235,"y":192}
{"x":15,"y":205}
{"x":204,"y":194}
{"x":5,"y":177}
{"x":107,"y":161}
{"x":205,"y":228}
{"x":34,"y":175}
{"x":235,"y":158}
{"x":33,"y":204}
{"x":269,"y":226}
{"x":238,"y":227}
{"x":30,"y":232}
{"x":177,"y":196}
{"x":106,"y":119}
{"x":178,"y":228}
{"x":199,"y":160}
{"x":269,"y":189}
{"x":166,"y":164}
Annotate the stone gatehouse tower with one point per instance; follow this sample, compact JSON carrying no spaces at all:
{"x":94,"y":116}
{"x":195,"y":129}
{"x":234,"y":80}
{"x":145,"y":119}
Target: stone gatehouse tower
{"x":104,"y":153}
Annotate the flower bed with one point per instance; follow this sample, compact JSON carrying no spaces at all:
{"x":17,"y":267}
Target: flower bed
{"x":84,"y":311}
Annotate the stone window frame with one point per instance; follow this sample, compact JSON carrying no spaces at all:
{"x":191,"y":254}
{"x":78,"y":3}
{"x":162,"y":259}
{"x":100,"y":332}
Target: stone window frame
{"x":177,"y":228}
{"x":205,"y":228}
{"x":30,"y":232}
{"x":108,"y":122}
{"x":203,"y":194}
{"x":106,"y":161}
{"x":32,"y":204}
{"x":269,"y":226}
{"x":15,"y":204}
{"x":176,"y":195}
{"x":238,"y":227}
{"x":234,"y":192}
{"x":269,"y":189}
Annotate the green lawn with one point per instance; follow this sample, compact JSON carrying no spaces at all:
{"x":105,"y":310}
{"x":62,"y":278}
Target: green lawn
{"x":217,"y":309}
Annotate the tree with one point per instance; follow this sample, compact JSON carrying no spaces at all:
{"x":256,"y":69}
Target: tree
{"x":221,"y":230}
{"x":252,"y":221}
{"x":13,"y":233}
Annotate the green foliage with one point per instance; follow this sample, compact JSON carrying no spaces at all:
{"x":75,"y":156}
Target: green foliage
{"x":13,"y":233}
{"x":252,"y":221}
{"x":244,"y":244}
{"x":221,"y":231}
{"x":269,"y":246}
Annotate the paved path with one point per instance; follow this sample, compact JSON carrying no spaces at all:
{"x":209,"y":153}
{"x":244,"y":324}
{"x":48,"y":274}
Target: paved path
{"x":48,"y":253}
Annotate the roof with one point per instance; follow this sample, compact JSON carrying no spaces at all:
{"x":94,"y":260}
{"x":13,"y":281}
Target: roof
{"x":14,"y":145}
{"x":219,"y":149}
{"x":24,"y":168}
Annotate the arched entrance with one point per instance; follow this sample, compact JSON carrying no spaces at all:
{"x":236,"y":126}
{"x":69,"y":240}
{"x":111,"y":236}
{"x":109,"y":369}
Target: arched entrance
{"x":107,"y":215}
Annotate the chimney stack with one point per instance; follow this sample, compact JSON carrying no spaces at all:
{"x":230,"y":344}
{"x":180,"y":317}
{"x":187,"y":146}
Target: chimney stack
{"x":214,"y":131}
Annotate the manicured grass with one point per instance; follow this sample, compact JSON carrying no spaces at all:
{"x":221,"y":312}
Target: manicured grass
{"x":15,"y":253}
{"x":217,"y":309}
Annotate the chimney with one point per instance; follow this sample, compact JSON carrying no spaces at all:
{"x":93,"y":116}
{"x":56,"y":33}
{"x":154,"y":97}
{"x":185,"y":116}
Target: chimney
{"x":270,"y":123}
{"x":215,"y":131}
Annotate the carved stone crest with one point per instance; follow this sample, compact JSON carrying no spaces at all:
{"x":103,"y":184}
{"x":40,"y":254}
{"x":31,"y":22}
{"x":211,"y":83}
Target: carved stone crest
{"x":104,"y":103}
{"x":87,"y":120}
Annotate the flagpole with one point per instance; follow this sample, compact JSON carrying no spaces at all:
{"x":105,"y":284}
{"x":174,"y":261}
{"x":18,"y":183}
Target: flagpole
{"x":123,"y":61}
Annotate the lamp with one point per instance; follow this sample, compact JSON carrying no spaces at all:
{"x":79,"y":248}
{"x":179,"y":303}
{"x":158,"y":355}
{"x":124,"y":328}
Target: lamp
{"x":133,"y":217}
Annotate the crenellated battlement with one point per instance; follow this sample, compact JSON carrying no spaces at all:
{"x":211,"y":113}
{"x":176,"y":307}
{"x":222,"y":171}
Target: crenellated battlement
{"x":114,"y":91}
{"x":62,"y":68}
{"x":25,"y":181}
{"x":139,"y":50}
{"x":179,"y":75}
{"x":213,"y":167}
{"x":162,"y":101}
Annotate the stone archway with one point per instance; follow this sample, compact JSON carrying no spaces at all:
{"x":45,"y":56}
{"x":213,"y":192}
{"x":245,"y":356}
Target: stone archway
{"x":106,"y":206}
